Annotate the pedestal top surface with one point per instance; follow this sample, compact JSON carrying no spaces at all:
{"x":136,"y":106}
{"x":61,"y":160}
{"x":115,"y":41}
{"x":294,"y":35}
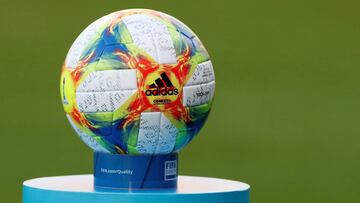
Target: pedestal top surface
{"x":186,"y":185}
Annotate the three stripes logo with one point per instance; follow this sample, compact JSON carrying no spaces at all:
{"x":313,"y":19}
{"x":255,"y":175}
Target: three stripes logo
{"x":162,"y":87}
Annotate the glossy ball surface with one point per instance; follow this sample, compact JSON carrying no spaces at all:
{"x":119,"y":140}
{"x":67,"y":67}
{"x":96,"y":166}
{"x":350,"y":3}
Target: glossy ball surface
{"x":137,"y":82}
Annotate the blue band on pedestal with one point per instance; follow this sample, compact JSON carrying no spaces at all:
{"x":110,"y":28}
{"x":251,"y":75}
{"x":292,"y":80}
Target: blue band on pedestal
{"x":135,"y":171}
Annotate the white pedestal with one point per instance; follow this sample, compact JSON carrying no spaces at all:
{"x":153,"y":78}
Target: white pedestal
{"x":80,"y":189}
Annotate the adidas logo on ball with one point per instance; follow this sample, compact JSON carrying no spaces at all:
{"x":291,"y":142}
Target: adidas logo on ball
{"x":162,"y":87}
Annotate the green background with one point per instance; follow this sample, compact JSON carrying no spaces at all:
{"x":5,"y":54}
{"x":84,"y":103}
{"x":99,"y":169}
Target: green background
{"x":286,"y":112}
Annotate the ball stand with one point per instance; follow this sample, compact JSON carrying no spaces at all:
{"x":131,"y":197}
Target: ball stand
{"x":134,"y":179}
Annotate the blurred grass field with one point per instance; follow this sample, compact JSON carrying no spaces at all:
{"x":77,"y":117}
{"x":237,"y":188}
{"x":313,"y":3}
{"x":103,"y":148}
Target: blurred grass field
{"x":286,"y":112}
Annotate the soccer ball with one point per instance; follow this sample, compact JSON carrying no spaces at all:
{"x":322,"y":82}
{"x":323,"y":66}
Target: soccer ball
{"x":137,"y":82}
